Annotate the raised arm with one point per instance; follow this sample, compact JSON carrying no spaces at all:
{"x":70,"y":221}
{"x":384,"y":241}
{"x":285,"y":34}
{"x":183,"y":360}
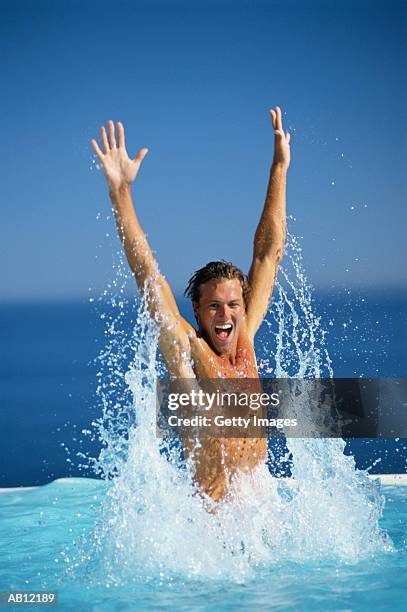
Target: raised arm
{"x":270,"y":235}
{"x":120,"y":172}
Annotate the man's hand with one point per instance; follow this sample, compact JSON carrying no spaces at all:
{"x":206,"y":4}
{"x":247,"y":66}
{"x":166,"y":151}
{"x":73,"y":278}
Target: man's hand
{"x":281,"y":140}
{"x":119,"y":169}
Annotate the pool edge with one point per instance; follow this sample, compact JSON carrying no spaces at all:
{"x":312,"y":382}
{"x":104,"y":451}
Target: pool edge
{"x":385,"y":479}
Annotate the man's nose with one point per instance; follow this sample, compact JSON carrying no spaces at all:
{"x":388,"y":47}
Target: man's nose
{"x":224,"y":311}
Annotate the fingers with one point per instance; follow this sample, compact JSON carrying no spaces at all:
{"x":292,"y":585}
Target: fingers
{"x":273,"y":118}
{"x":109,"y":143}
{"x":279,"y":121}
{"x":276,"y":118}
{"x":120,"y":135}
{"x":104,"y":139}
{"x":112,"y":137}
{"x":141,"y":155}
{"x":96,"y":149}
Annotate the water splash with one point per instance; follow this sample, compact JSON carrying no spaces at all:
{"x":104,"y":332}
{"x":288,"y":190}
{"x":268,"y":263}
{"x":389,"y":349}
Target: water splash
{"x":155,"y":527}
{"x":335,"y":506}
{"x":295,"y":346}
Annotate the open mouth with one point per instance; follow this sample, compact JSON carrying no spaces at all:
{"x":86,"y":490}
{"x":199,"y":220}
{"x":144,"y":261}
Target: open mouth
{"x":223,"y":331}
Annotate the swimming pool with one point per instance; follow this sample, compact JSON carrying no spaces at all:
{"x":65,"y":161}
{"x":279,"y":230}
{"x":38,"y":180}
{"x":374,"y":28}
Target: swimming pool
{"x":45,"y":531}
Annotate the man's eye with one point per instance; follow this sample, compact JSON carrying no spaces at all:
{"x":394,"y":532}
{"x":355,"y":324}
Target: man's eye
{"x":235,"y":305}
{"x":213,"y":305}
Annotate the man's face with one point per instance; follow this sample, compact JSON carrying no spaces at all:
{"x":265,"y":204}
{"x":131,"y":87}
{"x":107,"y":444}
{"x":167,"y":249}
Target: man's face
{"x":220,"y":312}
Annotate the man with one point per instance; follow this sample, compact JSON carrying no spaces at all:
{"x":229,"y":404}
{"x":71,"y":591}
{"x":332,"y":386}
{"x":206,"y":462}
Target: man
{"x":229,"y":307}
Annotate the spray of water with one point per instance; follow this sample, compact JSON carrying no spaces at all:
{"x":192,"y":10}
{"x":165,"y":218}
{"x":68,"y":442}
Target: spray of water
{"x":154,"y":526}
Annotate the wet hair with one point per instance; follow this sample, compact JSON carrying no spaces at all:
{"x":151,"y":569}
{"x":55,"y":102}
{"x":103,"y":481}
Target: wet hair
{"x":216,"y":270}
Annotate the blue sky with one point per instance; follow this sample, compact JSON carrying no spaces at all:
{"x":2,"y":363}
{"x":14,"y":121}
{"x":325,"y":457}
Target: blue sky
{"x":193,"y":82}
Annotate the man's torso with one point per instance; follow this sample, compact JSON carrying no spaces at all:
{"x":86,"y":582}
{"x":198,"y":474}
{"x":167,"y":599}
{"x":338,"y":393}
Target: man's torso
{"x":218,"y":459}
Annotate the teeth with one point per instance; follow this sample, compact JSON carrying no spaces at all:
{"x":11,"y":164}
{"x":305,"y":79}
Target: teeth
{"x":226,"y":326}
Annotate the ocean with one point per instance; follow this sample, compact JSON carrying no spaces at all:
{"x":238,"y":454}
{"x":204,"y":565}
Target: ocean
{"x":49,"y":377}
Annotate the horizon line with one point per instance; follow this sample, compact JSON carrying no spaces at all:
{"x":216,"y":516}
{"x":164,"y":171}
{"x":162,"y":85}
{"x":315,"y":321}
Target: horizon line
{"x":94,"y":299}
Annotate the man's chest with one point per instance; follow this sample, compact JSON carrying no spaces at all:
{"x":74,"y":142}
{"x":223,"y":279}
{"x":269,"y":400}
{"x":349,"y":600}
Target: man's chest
{"x":207,"y":364}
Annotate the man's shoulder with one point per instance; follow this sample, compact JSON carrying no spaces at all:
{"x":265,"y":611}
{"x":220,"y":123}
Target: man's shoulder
{"x":188,"y":328}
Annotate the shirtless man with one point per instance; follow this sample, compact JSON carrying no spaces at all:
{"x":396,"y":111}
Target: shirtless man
{"x":229,"y":307}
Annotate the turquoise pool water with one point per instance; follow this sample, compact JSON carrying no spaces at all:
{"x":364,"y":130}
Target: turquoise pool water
{"x":47,"y":531}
